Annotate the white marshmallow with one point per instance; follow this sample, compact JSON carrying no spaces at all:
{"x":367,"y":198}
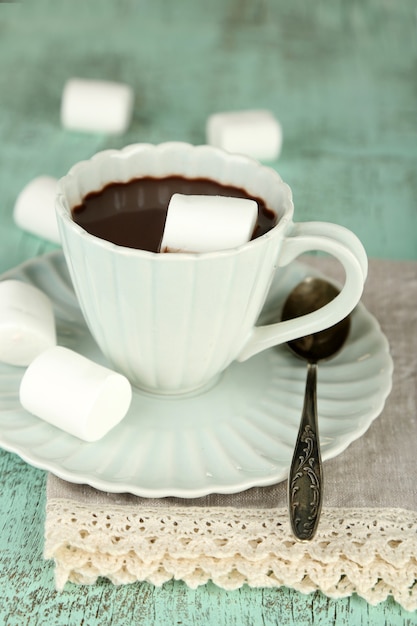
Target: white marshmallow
{"x":254,"y":133}
{"x":75,"y":394}
{"x":27,"y":323}
{"x":208,"y":223}
{"x":96,"y":106}
{"x":34,"y":209}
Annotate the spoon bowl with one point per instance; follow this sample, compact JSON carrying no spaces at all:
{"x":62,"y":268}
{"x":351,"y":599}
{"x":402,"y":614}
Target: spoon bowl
{"x":305,"y":482}
{"x":308,"y":296}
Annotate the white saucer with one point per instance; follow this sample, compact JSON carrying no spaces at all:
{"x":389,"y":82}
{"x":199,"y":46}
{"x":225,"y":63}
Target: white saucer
{"x":237,"y":435}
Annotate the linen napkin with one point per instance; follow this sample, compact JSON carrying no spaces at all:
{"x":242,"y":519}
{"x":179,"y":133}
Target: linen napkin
{"x":366,"y":542}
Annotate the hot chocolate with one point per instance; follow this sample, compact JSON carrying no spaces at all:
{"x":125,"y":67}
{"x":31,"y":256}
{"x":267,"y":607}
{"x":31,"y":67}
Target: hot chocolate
{"x":133,"y":214}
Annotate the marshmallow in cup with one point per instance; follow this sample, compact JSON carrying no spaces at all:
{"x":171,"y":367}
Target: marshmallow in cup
{"x":207,"y":223}
{"x":172,"y":323}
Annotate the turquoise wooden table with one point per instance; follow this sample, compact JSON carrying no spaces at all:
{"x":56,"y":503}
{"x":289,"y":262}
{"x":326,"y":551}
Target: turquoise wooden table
{"x":341,"y":78}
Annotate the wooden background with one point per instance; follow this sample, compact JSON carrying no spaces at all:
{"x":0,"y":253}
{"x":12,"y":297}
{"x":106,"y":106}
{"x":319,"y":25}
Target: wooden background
{"x":340,"y":75}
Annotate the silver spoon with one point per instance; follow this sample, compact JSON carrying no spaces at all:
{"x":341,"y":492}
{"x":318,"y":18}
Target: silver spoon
{"x":305,"y":481}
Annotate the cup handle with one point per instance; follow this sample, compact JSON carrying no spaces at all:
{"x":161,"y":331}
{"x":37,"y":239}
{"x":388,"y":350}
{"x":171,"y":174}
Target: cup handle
{"x":307,"y":237}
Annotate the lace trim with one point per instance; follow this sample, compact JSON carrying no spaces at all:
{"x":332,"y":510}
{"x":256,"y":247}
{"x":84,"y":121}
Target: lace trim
{"x":370,"y":552}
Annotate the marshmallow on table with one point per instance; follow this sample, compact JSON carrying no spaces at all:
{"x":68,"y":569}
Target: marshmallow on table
{"x":75,"y":394}
{"x":207,"y":223}
{"x":254,"y":133}
{"x":34,"y":209}
{"x":96,"y":106}
{"x":27,"y":323}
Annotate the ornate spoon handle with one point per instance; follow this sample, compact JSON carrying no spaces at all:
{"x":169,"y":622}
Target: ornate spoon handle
{"x":305,"y":477}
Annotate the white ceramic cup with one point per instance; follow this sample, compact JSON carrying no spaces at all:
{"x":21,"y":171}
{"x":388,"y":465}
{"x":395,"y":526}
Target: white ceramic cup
{"x":172,"y":323}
